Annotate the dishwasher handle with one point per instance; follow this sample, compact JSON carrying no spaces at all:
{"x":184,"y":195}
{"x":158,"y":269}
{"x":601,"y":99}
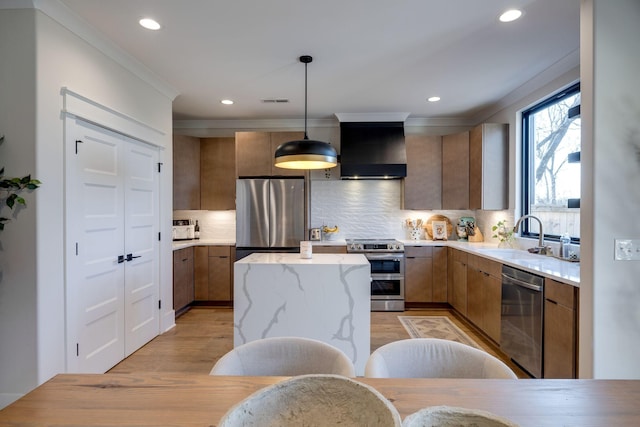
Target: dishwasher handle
{"x":517,"y":282}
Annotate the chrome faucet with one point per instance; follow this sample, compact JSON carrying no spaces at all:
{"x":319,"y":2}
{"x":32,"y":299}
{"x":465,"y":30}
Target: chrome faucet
{"x":541,"y":248}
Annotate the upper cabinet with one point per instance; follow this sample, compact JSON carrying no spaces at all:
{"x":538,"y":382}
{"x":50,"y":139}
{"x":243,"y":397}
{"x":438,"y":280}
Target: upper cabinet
{"x":255,"y":153}
{"x":455,"y":171}
{"x":217,"y":174}
{"x":489,"y":167}
{"x":423,"y":184}
{"x":186,"y":172}
{"x":466,"y":170}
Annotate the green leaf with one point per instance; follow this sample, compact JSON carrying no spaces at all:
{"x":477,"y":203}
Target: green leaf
{"x":11,"y":200}
{"x":25,"y":179}
{"x":21,"y":201}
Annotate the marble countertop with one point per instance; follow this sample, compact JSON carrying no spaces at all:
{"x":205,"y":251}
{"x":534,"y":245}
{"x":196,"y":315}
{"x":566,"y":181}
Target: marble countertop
{"x":181,"y":244}
{"x":546,"y":266}
{"x":562,"y":271}
{"x":294,"y":259}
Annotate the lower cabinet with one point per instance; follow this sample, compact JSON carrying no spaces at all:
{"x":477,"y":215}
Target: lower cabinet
{"x":425,"y":274}
{"x":484,"y":292}
{"x":458,"y":284}
{"x":214,"y":273}
{"x":418,"y":274}
{"x":560,"y":330}
{"x":183,"y":285}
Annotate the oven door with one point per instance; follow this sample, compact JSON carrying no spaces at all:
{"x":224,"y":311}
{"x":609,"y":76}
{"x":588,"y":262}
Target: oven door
{"x":387,"y":286}
{"x":387,"y":276}
{"x":386,"y":264}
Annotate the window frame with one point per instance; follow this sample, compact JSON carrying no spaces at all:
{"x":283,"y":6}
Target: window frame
{"x":527,"y":180}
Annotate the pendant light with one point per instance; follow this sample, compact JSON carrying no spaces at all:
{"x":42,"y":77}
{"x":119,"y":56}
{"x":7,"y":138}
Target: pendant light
{"x":305,"y":153}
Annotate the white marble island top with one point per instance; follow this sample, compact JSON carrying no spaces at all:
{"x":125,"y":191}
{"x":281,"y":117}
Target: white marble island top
{"x":294,"y":259}
{"x":327,"y":297}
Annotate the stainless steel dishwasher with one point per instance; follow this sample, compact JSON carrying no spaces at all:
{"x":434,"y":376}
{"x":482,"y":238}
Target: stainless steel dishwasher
{"x":521,"y":319}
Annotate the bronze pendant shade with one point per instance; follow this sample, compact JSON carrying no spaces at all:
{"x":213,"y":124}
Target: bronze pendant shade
{"x":305,"y":153}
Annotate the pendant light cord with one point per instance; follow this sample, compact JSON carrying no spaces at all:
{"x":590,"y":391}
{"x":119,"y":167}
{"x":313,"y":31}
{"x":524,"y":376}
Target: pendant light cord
{"x":305,"y":101}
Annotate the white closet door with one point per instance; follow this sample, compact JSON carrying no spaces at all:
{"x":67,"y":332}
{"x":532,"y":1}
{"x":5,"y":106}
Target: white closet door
{"x":95,"y":233}
{"x":142,"y":320}
{"x":112,"y":254}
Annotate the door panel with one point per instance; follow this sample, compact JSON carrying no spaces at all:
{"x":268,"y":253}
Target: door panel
{"x":141,"y":240}
{"x":286,"y":212}
{"x":94,"y":222}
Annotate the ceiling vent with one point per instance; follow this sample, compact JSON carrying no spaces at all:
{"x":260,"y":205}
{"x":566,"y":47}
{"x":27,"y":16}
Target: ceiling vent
{"x":275,"y":101}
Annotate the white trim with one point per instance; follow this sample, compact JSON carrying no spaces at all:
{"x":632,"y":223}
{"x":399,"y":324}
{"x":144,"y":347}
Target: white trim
{"x":193,"y":127}
{"x":372,"y":117}
{"x":92,"y":111}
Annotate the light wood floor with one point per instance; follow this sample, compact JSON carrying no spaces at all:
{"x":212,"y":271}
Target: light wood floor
{"x":203,"y":334}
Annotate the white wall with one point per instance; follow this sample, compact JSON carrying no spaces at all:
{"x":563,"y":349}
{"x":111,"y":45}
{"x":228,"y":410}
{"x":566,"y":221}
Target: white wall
{"x":18,"y":278}
{"x":33,"y":327}
{"x":610,"y":111}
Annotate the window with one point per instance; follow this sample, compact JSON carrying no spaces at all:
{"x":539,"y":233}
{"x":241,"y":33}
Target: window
{"x":551,"y":165}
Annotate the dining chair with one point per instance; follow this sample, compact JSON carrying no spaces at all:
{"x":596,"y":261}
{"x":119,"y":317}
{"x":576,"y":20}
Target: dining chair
{"x":284,"y":356}
{"x":434,"y":358}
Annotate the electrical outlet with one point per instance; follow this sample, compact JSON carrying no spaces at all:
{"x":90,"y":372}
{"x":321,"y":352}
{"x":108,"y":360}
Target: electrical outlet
{"x":627,"y":249}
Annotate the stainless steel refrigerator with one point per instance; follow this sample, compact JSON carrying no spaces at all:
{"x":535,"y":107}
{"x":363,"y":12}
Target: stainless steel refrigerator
{"x":270,"y":215}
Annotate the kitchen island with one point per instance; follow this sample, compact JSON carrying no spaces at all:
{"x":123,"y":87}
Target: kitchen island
{"x":327,"y":297}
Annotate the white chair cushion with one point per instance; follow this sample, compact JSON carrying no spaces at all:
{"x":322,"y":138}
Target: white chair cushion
{"x":284,"y":356}
{"x":434,"y":358}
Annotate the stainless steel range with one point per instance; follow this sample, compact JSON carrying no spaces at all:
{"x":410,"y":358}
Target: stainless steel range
{"x":386,"y":257}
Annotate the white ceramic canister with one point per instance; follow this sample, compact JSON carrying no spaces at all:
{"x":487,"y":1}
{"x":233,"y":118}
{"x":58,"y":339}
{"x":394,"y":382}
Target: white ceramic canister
{"x":305,"y":249}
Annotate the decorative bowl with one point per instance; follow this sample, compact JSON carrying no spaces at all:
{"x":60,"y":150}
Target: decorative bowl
{"x":451,"y":416}
{"x":314,"y":401}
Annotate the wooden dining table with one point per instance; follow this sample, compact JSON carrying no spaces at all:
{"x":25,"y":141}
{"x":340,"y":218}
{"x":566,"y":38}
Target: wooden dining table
{"x":153,"y":399}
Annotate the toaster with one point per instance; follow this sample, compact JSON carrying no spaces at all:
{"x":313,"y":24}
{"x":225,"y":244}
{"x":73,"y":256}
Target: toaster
{"x":184,"y":232}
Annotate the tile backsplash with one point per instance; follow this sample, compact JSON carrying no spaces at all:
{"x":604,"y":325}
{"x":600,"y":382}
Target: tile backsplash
{"x":361,"y":209}
{"x":213,"y":224}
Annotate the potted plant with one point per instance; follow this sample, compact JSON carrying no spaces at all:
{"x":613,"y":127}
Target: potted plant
{"x":504,"y":234}
{"x":10,"y":189}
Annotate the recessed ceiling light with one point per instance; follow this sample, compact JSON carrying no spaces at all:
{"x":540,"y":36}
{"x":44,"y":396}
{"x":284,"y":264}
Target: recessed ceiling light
{"x":510,"y":15}
{"x":149,"y":24}
{"x":226,"y":102}
{"x":433,"y":99}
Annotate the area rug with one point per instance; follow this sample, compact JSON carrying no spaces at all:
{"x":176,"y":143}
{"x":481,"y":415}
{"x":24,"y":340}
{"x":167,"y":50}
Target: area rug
{"x":435,"y":327}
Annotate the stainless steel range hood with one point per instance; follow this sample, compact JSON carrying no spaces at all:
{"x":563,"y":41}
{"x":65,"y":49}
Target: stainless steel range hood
{"x":372,"y":150}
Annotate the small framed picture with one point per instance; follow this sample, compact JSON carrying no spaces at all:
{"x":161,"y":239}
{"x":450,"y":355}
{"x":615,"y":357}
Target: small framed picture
{"x":439,"y":230}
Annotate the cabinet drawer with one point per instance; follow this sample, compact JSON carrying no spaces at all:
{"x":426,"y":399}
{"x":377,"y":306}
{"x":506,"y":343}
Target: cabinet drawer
{"x":418,"y":251}
{"x":474,"y":261}
{"x":493,"y":268}
{"x":460,"y":256}
{"x":219,"y":250}
{"x":561,"y":293}
{"x":318,"y":249}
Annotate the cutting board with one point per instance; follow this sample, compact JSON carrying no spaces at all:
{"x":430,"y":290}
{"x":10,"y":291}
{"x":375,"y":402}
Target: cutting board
{"x":429,"y":229}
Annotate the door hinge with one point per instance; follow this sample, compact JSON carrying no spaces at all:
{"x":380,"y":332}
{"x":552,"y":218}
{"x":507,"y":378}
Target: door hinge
{"x":159,"y":304}
{"x":159,"y":236}
{"x":76,"y":248}
{"x":77,"y":142}
{"x":160,"y":167}
{"x":77,"y":349}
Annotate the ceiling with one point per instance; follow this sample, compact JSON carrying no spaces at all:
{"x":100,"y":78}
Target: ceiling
{"x":369,"y":56}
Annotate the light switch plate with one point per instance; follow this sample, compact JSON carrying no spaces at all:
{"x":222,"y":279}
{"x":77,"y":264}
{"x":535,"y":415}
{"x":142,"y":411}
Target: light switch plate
{"x":627,"y":249}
